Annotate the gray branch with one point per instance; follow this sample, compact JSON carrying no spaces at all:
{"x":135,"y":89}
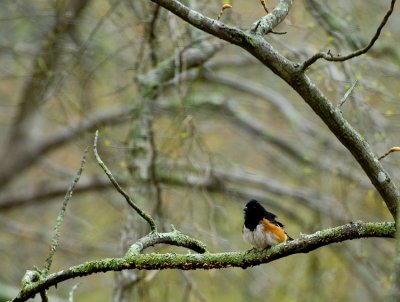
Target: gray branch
{"x":294,"y":75}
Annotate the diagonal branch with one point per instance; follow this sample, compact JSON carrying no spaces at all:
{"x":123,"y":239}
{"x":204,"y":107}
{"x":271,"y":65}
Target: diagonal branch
{"x":294,"y":75}
{"x":56,"y":233}
{"x":305,"y":244}
{"x":141,"y":212}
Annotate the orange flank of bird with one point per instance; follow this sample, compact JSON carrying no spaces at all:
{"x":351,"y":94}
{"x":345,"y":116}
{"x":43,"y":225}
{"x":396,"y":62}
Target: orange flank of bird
{"x":276,"y":230}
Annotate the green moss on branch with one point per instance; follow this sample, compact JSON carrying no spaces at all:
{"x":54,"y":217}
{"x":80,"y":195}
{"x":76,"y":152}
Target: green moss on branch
{"x":132,"y":260}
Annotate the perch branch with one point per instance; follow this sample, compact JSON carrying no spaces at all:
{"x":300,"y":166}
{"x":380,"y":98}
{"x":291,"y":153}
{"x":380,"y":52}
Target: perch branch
{"x":132,"y":260}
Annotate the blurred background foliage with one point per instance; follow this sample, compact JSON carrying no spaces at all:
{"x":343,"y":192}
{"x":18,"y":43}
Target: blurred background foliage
{"x":192,"y":128}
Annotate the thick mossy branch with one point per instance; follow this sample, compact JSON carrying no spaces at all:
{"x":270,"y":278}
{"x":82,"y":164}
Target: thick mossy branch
{"x":132,"y":260}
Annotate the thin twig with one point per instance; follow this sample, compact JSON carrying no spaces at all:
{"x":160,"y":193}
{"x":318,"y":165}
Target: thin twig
{"x":224,"y":7}
{"x":393,"y":149}
{"x":264,"y":6}
{"x":56,"y":232}
{"x":141,"y":212}
{"x":347,"y":94}
{"x":278,"y":32}
{"x":356,"y":53}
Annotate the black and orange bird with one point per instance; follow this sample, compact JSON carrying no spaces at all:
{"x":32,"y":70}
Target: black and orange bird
{"x":260,"y":228}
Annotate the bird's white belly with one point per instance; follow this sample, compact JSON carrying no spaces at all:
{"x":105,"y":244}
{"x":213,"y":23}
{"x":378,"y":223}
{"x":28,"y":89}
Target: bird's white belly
{"x":259,"y":238}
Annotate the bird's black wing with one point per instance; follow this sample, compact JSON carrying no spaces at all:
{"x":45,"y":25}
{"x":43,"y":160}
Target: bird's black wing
{"x":271,"y":217}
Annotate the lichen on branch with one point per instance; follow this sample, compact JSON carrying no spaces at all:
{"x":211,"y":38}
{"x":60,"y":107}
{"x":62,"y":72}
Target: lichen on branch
{"x":189,"y":261}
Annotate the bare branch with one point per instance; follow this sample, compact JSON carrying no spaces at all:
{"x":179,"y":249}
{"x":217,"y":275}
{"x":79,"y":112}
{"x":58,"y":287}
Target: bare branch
{"x":224,"y":7}
{"x":329,"y":57}
{"x":393,"y":149}
{"x":141,"y":212}
{"x":347,"y":94}
{"x":264,"y":6}
{"x":57,"y":227}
